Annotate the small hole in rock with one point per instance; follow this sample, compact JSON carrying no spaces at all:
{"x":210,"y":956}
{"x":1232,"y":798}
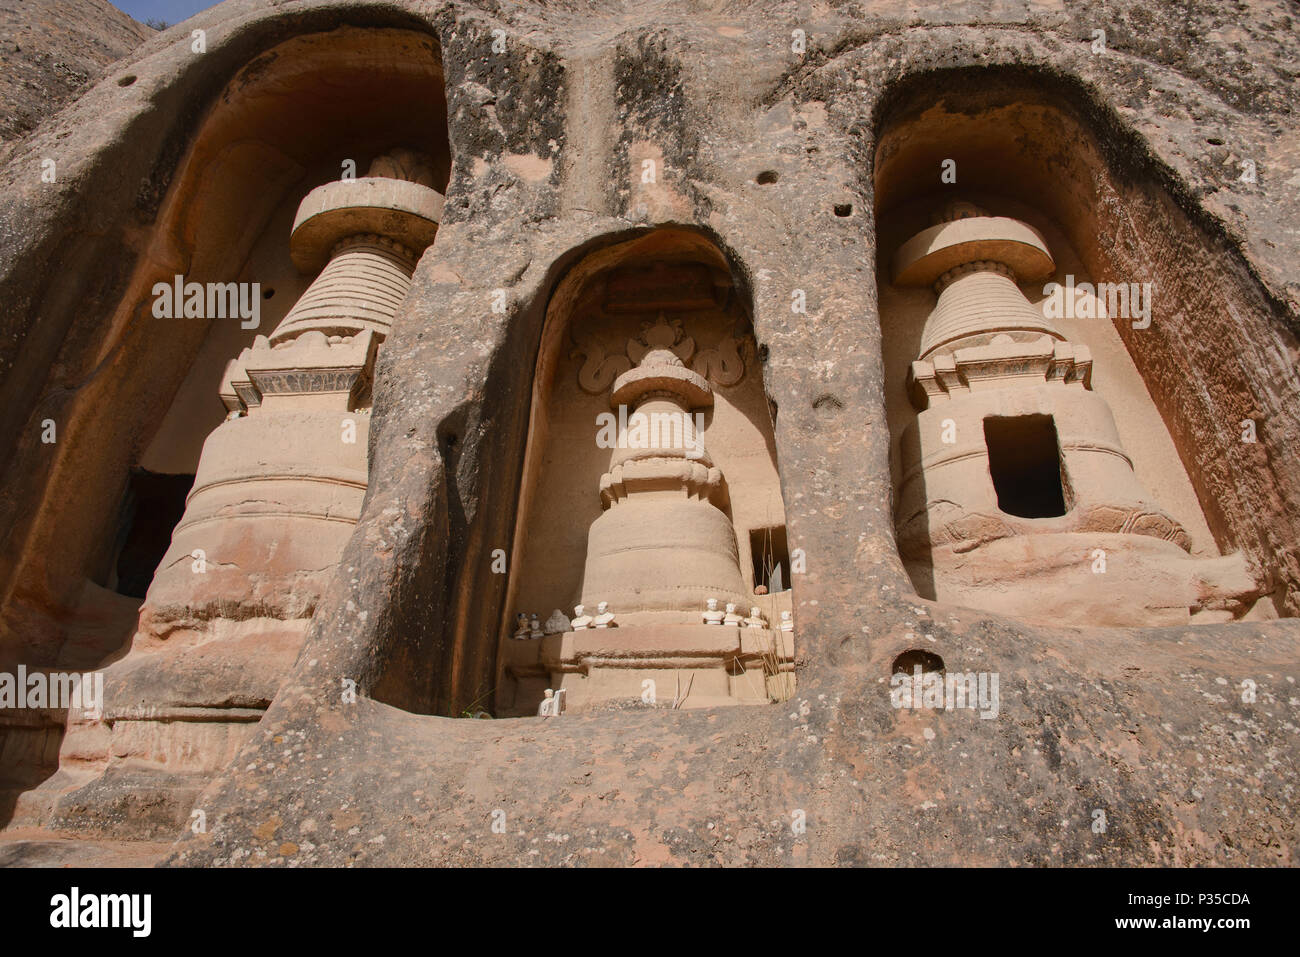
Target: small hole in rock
{"x":1214,"y":141}
{"x":767,"y":177}
{"x":843,"y":209}
{"x":126,"y":80}
{"x":827,"y":400}
{"x":905,"y":664}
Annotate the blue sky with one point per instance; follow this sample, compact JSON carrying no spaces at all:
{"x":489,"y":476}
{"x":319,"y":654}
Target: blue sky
{"x":171,"y":11}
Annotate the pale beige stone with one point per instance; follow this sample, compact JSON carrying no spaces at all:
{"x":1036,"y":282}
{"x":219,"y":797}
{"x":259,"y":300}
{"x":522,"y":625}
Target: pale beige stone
{"x":673,"y":515}
{"x":280,"y":482}
{"x":1105,"y":552}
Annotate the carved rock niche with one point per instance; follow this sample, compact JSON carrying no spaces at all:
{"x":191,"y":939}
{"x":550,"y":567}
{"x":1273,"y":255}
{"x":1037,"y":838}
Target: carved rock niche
{"x":1017,"y":491}
{"x":265,"y":425}
{"x":650,"y":484}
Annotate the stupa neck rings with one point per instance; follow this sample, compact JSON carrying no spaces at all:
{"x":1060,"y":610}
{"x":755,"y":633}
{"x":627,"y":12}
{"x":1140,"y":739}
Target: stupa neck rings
{"x":375,"y":239}
{"x":974,"y":266}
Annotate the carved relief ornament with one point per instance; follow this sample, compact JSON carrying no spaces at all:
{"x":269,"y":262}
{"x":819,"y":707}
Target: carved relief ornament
{"x":722,"y":364}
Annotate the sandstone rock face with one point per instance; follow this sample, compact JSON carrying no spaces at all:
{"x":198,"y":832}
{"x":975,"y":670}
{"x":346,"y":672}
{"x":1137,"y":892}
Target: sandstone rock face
{"x":51,"y":50}
{"x":751,"y":171}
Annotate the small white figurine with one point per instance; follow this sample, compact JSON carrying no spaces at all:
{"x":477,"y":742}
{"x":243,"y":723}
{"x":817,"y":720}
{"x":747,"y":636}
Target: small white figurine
{"x":581,"y":620}
{"x":787,"y":623}
{"x":552,"y":704}
{"x":711,"y":614}
{"x":604,"y":617}
{"x":534,"y":626}
{"x":755,"y":619}
{"x":732,"y":618}
{"x":558,"y":623}
{"x":521,"y":627}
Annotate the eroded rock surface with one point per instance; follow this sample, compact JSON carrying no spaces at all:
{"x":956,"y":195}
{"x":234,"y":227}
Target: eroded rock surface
{"x":51,"y":50}
{"x":792,"y":159}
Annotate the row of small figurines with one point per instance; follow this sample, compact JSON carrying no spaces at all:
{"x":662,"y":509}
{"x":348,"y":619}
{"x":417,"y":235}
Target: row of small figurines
{"x":712,"y":616}
{"x":530,"y":626}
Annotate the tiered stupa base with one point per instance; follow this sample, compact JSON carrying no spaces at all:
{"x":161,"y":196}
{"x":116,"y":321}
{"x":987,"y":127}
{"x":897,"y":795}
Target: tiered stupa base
{"x":1050,"y":579}
{"x":689,"y":665}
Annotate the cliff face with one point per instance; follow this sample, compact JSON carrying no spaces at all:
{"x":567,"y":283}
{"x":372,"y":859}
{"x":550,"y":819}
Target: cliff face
{"x":51,"y":50}
{"x":776,"y":136}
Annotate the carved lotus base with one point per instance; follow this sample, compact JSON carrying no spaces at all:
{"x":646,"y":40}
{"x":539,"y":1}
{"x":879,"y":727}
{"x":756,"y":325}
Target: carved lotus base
{"x":1098,"y":579}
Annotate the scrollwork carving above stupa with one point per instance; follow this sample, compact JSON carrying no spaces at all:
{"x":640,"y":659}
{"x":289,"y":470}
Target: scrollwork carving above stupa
{"x":722,"y":364}
{"x":600,"y":367}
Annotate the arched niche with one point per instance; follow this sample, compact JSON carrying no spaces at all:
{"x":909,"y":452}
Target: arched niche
{"x":297,"y":117}
{"x":674,"y":290}
{"x":283,"y":125}
{"x":134,"y":410}
{"x":1034,"y":151}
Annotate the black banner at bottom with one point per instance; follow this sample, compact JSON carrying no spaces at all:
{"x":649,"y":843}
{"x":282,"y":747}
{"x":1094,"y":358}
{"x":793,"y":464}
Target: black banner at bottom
{"x":345,"y":907}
